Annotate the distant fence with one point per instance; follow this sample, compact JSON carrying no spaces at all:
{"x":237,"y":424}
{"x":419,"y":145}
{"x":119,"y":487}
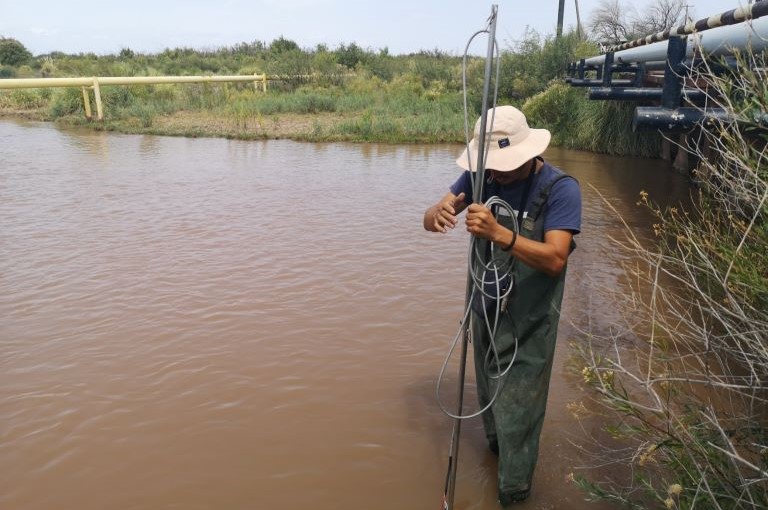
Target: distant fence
{"x":95,"y":83}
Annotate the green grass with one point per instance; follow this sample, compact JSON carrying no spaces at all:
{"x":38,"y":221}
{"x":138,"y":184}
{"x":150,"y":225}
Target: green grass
{"x":597,"y":126}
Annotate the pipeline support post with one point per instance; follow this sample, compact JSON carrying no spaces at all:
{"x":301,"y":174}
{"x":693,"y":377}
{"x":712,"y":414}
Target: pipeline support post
{"x":260,"y":79}
{"x":639,"y":75}
{"x":97,"y":96}
{"x":607,"y":69}
{"x":673,"y":73}
{"x":672,"y":94}
{"x":87,"y":104}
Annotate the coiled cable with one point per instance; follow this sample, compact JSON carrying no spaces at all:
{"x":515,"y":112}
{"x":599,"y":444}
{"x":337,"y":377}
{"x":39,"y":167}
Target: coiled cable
{"x":499,"y":269}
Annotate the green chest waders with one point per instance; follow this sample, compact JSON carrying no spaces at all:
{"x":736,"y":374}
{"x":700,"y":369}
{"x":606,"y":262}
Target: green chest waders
{"x":532,"y":313}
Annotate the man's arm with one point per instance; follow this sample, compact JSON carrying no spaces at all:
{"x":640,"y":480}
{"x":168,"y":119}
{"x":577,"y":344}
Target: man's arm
{"x":548,"y":257}
{"x":441,"y":217}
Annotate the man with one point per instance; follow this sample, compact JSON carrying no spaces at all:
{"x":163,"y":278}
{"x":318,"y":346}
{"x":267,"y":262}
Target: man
{"x":547,"y":204}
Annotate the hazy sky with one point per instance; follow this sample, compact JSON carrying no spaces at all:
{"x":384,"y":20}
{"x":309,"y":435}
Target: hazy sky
{"x":403,"y":26}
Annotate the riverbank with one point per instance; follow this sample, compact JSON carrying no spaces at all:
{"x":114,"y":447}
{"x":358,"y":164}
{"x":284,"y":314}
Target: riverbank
{"x":398,"y":113}
{"x":314,"y":127}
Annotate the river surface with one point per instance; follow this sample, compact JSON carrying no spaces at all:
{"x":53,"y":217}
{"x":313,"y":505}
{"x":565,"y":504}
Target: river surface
{"x":214,"y":324}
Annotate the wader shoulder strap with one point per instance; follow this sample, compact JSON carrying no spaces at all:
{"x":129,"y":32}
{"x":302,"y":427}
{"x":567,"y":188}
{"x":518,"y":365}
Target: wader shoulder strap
{"x":538,"y":205}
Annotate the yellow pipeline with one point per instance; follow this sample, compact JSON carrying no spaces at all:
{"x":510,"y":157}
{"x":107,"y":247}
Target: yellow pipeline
{"x":96,"y":82}
{"x":21,"y":83}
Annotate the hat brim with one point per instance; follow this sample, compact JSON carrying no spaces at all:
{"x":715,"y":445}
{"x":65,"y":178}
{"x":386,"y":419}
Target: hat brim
{"x":509,"y":158}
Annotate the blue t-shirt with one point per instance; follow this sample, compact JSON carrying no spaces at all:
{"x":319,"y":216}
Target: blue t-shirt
{"x":563,"y":210}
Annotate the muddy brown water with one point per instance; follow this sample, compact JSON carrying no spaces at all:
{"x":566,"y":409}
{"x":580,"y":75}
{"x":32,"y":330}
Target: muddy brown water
{"x":214,"y":324}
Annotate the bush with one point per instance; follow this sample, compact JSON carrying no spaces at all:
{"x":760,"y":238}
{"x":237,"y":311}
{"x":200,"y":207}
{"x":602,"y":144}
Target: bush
{"x":13,"y":53}
{"x":115,"y":98}
{"x":66,"y":101}
{"x":556,"y":109}
{"x":27,"y":99}
{"x":578,"y":123}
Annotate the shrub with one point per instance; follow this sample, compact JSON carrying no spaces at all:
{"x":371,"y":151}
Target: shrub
{"x":12,"y":52}
{"x":66,"y":101}
{"x":578,"y":123}
{"x":27,"y":99}
{"x":556,"y":109}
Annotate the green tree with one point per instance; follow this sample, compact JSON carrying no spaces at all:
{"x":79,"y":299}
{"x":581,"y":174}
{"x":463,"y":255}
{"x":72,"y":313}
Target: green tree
{"x":283,"y":45}
{"x":12,"y":52}
{"x":350,"y":55}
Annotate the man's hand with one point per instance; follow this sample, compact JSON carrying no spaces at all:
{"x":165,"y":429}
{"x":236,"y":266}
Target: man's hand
{"x":441,"y":217}
{"x":481,"y":223}
{"x":548,"y":257}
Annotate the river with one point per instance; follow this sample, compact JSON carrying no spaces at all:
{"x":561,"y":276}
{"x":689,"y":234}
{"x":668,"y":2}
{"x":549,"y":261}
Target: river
{"x":215,"y":324}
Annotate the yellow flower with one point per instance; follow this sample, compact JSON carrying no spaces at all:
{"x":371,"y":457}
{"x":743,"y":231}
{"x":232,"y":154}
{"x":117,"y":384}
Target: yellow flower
{"x":669,"y":503}
{"x":647,"y":455}
{"x":607,"y":378}
{"x":570,"y":477}
{"x":675,"y":489}
{"x":589,"y":374}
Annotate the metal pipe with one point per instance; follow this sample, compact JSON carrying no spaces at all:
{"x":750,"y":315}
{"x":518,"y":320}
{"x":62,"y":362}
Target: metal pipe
{"x":598,"y":83}
{"x":732,"y":17}
{"x":679,"y":119}
{"x":20,"y":83}
{"x":639,"y":94}
{"x":479,"y":180}
{"x":715,"y":42}
{"x":480,"y":168}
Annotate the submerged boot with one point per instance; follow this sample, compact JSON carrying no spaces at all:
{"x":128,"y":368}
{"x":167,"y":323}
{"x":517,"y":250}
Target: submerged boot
{"x":509,"y":498}
{"x":493,"y":445}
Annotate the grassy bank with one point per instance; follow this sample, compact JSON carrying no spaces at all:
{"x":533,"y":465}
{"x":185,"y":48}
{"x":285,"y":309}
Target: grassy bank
{"x":354,"y":94}
{"x":364,"y":109}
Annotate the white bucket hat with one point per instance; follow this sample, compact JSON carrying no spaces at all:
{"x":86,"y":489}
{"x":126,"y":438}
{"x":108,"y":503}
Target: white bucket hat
{"x":512,"y":142}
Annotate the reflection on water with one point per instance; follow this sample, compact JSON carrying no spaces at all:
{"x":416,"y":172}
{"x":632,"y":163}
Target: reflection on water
{"x":202,"y":323}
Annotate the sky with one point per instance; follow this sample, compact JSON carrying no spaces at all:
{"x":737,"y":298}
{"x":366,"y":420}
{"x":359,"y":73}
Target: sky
{"x":401,"y":26}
